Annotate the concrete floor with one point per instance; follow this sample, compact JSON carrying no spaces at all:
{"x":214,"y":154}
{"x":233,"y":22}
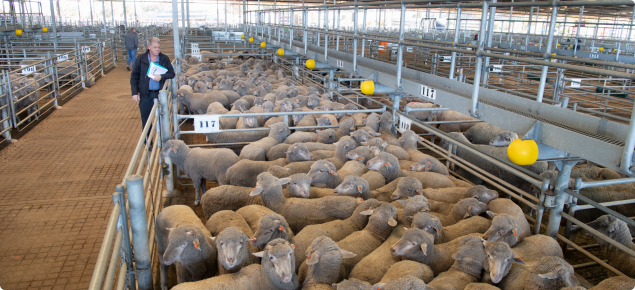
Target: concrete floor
{"x":57,"y":182}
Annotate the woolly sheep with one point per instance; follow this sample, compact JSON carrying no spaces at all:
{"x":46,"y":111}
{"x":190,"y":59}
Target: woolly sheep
{"x":441,"y":234}
{"x":229,"y":197}
{"x":232,"y":96}
{"x":335,"y":230}
{"x":352,"y":168}
{"x":484,"y":133}
{"x":466,"y":269}
{"x":241,"y":105}
{"x":423,"y":116}
{"x":233,"y":250}
{"x":324,"y":259}
{"x":323,"y":174}
{"x":551,"y":273}
{"x":372,"y":121}
{"x":481,"y":286}
{"x":257,"y":151}
{"x":326,"y":136}
{"x":245,"y":171}
{"x":274,"y":273}
{"x":509,"y":224}
{"x":503,"y":139}
{"x":454,"y":116}
{"x":386,"y":164}
{"x":408,"y":268}
{"x":431,"y":164}
{"x":408,"y":282}
{"x":387,"y":129}
{"x":398,"y":188}
{"x":224,"y":219}
{"x":182,"y":238}
{"x":271,"y":226}
{"x":299,"y":152}
{"x":353,"y":284}
{"x":301,"y":137}
{"x":235,"y":137}
{"x":200,"y":164}
{"x":345,"y":128}
{"x":301,"y":212}
{"x":298,"y":186}
{"x":418,"y":245}
{"x":617,"y":230}
{"x":360,"y":136}
{"x":380,"y":223}
{"x":373,"y":267}
{"x":361,"y":154}
{"x":465,"y":208}
{"x":530,"y":250}
{"x":454,"y":194}
{"x":252,"y":214}
{"x":374,"y":178}
{"x":353,"y":186}
{"x":616,"y":283}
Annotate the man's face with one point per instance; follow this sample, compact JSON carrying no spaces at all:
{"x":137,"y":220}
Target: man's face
{"x":134,"y":30}
{"x":155,"y":48}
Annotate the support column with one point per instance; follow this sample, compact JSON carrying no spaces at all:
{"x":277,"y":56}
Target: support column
{"x":125,"y":18}
{"x":562,"y":182}
{"x":175,"y":28}
{"x":547,"y":55}
{"x":55,"y":26}
{"x":355,"y":12}
{"x":139,"y":225}
{"x":402,"y":21}
{"x":489,"y":35}
{"x":479,"y":61}
{"x":457,"y":31}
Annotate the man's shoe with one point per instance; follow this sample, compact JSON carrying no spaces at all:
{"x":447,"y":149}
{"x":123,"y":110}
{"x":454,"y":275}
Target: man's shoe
{"x":128,"y":68}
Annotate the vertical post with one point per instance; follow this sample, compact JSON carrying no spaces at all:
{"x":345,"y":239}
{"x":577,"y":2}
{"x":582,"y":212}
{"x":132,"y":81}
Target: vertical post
{"x":175,"y":29}
{"x":112,"y":13}
{"x":187,"y":8}
{"x":126,"y":235}
{"x":457,"y":31}
{"x":479,"y":61}
{"x":627,"y":156}
{"x":355,"y":12}
{"x":531,"y":15}
{"x":337,"y":42}
{"x":402,"y":21}
{"x":577,"y":33}
{"x":139,"y":225}
{"x":319,"y":24}
{"x":630,"y":27}
{"x":125,"y":18}
{"x":363,"y":31}
{"x":165,"y":136}
{"x":489,"y":35}
{"x":290,"y":29}
{"x":135,"y":12}
{"x":103,"y":12}
{"x":562,"y":182}
{"x":306,"y":24}
{"x":326,"y":36}
{"x":90,"y":3}
{"x":54,"y":26}
{"x":547,"y":55}
{"x":226,"y":18}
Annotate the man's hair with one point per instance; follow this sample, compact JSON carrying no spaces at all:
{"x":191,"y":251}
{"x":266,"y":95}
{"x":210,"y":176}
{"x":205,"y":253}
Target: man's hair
{"x":133,"y":29}
{"x":153,"y":40}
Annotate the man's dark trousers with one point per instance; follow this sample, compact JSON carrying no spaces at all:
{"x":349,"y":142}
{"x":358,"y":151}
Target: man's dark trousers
{"x":145,"y":105}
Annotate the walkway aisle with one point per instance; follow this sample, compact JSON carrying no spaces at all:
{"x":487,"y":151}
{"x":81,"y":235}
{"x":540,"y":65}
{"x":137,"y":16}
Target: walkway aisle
{"x":56,"y":184}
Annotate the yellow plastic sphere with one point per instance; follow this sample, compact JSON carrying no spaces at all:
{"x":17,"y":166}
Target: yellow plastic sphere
{"x":44,"y":29}
{"x":263,"y":44}
{"x":242,"y":36}
{"x":614,"y":49}
{"x":280,"y":51}
{"x":251,"y":39}
{"x":367,"y":87}
{"x":558,"y":45}
{"x":523,"y":152}
{"x":601,"y":48}
{"x":18,"y":32}
{"x":570,"y":45}
{"x":310,"y":63}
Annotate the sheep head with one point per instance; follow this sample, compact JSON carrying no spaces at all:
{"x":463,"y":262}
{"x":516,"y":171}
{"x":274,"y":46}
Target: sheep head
{"x":183,"y":241}
{"x":299,"y":185}
{"x":270,"y":226}
{"x":428,"y":223}
{"x":278,"y":261}
{"x":414,"y":242}
{"x":354,"y":186}
{"x":500,"y":257}
{"x":407,"y":186}
{"x":230,"y":243}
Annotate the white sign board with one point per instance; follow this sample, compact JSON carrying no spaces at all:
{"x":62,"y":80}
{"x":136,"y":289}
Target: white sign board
{"x":447,"y":58}
{"x":61,"y":58}
{"x":103,"y":30}
{"x":86,"y":49}
{"x":575,"y":83}
{"x":196,"y":50}
{"x":194,"y":45}
{"x":409,"y":49}
{"x":381,"y":47}
{"x":92,"y":35}
{"x":404,"y":124}
{"x":428,"y":92}
{"x":27,"y":70}
{"x":206,"y":124}
{"x":340,"y":63}
{"x":112,"y":31}
{"x":497,"y":68}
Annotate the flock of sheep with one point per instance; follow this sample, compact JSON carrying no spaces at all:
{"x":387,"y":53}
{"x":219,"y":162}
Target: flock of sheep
{"x":354,"y":207}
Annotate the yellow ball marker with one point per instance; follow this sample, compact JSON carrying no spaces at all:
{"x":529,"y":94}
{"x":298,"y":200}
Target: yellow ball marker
{"x":242,"y":36}
{"x":310,"y":63}
{"x":367,"y":87}
{"x":280,"y":51}
{"x":251,"y":39}
{"x":601,"y":49}
{"x":18,"y":32}
{"x":263,"y":44}
{"x":44,"y":29}
{"x":523,"y":152}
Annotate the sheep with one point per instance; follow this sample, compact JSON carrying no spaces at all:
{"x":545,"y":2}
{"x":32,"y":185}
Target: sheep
{"x":200,"y":164}
{"x":617,"y":230}
{"x":271,"y":226}
{"x":279,"y":151}
{"x":257,"y":151}
{"x":241,"y":105}
{"x":299,"y":152}
{"x":353,"y":186}
{"x":345,"y":128}
{"x":301,"y":137}
{"x":352,"y":284}
{"x":324,"y":260}
{"x":353,"y":168}
{"x":615,"y":283}
{"x":412,"y":206}
{"x":243,"y":173}
{"x":229,"y":197}
{"x":386,"y":164}
{"x":301,"y":212}
{"x":397,"y":151}
{"x":455,"y":116}
{"x":418,"y":245}
{"x":298,"y":186}
{"x":308,"y":120}
{"x":373,"y":267}
{"x":361,"y":154}
{"x":432,"y":225}
{"x":360,"y":136}
{"x":503,"y":139}
{"x":372,"y":121}
{"x":454,"y":194}
{"x":335,"y":230}
{"x":374,"y":178}
{"x":233,"y":250}
{"x":253,"y":213}
{"x":323,"y":174}
{"x":530,"y":250}
{"x":380,"y":223}
{"x":484,"y":133}
{"x":408,"y":268}
{"x":182,"y":237}
{"x":509,"y":224}
{"x":234,"y":137}
{"x":398,"y":188}
{"x":409,"y":141}
{"x":224,"y":219}
{"x":431,"y":164}
{"x":481,"y":286}
{"x":466,"y":269}
{"x":387,"y":129}
{"x":551,"y":273}
{"x":423,"y":116}
{"x":407,"y":282}
{"x":463,"y":209}
{"x":326,"y":136}
{"x":274,"y":273}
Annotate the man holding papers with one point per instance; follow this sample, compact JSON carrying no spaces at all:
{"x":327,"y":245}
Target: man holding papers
{"x":149,"y":73}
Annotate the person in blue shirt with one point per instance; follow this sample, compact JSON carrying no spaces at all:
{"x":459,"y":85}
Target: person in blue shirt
{"x":144,"y":88}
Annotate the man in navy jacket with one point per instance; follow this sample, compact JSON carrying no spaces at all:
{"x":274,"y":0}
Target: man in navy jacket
{"x":145,"y":89}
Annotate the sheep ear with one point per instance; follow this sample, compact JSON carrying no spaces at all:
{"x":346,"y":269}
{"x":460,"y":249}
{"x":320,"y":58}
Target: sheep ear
{"x":379,"y":286}
{"x":346,"y":254}
{"x":515,"y":231}
{"x":409,"y":218}
{"x":467,"y":214}
{"x":377,"y":134}
{"x":213,"y":239}
{"x":256,"y":191}
{"x":285,"y":180}
{"x":196,"y":244}
{"x":367,"y":212}
{"x":456,"y":256}
{"x":553,"y":274}
{"x":259,"y":254}
{"x":491,"y":213}
{"x":174,"y":149}
{"x":517,"y":259}
{"x":312,"y":259}
{"x":402,"y":202}
{"x":392,"y":222}
{"x":359,"y":188}
{"x":424,"y":248}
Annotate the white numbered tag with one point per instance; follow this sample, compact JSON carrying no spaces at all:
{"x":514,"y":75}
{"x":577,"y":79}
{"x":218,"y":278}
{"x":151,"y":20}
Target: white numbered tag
{"x":196,"y":50}
{"x":428,"y":92}
{"x":447,"y":58}
{"x":497,"y":68}
{"x":86,"y":49}
{"x":61,"y":58}
{"x":409,"y":49}
{"x":28,"y":70}
{"x":340,"y":63}
{"x":206,"y":123}
{"x":575,"y":83}
{"x":194,"y":45}
{"x":404,"y":124}
{"x":92,"y":35}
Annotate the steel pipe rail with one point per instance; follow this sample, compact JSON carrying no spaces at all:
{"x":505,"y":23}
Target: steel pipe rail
{"x":597,"y":233}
